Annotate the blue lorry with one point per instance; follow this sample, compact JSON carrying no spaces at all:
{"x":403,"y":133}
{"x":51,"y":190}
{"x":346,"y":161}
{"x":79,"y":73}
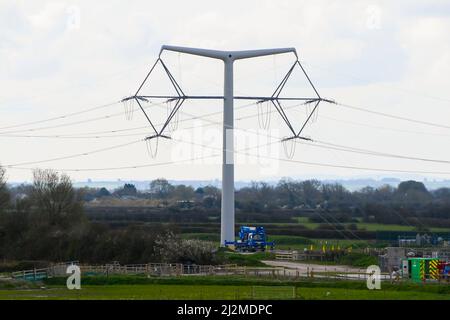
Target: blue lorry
{"x":251,"y":239}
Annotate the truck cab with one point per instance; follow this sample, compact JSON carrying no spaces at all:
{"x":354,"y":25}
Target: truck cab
{"x":251,"y":239}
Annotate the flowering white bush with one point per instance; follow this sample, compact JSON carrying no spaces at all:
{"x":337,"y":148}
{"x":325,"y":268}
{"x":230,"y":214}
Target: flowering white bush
{"x":172,"y":248}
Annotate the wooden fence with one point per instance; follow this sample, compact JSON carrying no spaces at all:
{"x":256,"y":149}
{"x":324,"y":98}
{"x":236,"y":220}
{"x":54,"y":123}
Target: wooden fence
{"x":32,"y":274}
{"x":301,"y":256}
{"x":165,"y":269}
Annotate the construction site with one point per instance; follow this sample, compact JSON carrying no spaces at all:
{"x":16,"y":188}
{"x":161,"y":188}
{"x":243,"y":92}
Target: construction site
{"x":255,"y":151}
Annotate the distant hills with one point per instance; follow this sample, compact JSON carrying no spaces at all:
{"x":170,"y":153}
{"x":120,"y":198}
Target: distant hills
{"x":350,"y":184}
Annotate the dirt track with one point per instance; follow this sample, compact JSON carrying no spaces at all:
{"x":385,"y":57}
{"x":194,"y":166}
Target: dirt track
{"x":322,"y":271}
{"x":304,"y":267}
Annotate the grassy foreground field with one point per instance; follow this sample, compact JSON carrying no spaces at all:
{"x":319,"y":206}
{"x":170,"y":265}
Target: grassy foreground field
{"x":226,"y":288}
{"x":186,"y":292}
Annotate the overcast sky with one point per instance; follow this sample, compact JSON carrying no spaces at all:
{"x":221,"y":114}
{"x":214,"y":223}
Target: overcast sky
{"x":60,"y":57}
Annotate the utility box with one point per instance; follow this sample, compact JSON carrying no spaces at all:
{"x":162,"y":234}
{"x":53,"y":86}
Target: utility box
{"x":421,"y":269}
{"x":405,"y":268}
{"x":392,"y":259}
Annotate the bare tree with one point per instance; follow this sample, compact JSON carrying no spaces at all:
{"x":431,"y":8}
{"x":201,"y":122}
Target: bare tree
{"x":54,"y":196}
{"x":4,"y":195}
{"x":161,"y":188}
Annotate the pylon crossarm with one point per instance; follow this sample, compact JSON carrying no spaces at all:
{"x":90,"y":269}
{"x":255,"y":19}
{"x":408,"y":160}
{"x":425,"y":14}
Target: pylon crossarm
{"x":309,"y":80}
{"x":259,"y":98}
{"x":134,"y":97}
{"x":180,"y":97}
{"x":157,"y":136}
{"x":328,"y":100}
{"x":172,"y":99}
{"x":175,"y":84}
{"x":172,"y":79}
{"x":172,"y":114}
{"x":146,"y":77}
{"x":283,"y":115}
{"x":297,"y":137}
{"x":272,"y":98}
{"x":185,"y":97}
{"x":280,"y":86}
{"x":141,"y":98}
{"x":309,"y":117}
{"x":146,"y":116}
{"x":275,"y":98}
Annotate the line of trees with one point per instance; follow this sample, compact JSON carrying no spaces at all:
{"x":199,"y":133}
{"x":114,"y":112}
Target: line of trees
{"x":48,"y":223}
{"x":408,"y":203}
{"x":286,"y":193}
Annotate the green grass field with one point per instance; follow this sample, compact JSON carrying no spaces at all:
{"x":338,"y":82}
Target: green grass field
{"x":289,"y":242}
{"x":183,"y":292}
{"x":370,"y":226}
{"x":293,"y":242}
{"x":218,"y":288}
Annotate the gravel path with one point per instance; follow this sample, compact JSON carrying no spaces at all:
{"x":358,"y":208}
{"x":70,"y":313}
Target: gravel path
{"x":303,"y":267}
{"x":340,"y":271}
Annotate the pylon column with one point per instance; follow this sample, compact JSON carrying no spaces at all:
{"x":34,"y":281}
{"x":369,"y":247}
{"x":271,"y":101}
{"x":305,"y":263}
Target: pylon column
{"x":227,"y":205}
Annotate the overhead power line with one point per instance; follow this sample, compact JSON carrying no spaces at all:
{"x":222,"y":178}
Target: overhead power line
{"x":162,"y":104}
{"x":76,"y":122}
{"x":156,"y":164}
{"x":319,"y":164}
{"x":75,"y":155}
{"x":387,"y":85}
{"x":322,"y":144}
{"x":328,"y":164}
{"x":274,"y":99}
{"x":393,"y":116}
{"x":366,"y":125}
{"x":63,"y":124}
{"x":370,"y":152}
{"x":60,"y":117}
{"x":338,"y":147}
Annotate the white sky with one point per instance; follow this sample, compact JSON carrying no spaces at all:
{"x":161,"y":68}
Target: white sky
{"x":59,"y":57}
